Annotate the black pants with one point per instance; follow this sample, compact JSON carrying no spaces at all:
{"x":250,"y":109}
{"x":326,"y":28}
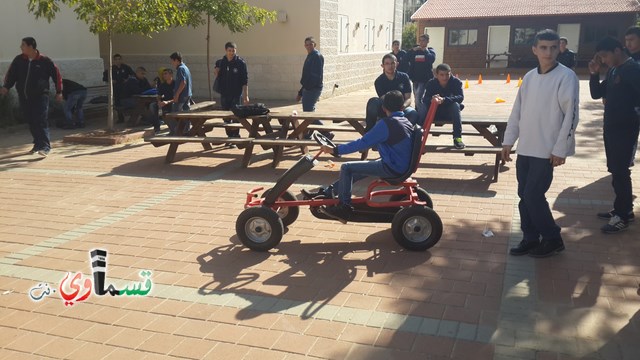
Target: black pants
{"x":227,"y":102}
{"x":36,"y":112}
{"x":534,"y":178}
{"x":618,"y":146}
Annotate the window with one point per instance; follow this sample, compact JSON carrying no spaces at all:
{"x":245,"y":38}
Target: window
{"x":595,"y":33}
{"x":343,"y":33}
{"x":463,"y":37}
{"x":524,"y":36}
{"x":369,"y":35}
{"x":389,"y":36}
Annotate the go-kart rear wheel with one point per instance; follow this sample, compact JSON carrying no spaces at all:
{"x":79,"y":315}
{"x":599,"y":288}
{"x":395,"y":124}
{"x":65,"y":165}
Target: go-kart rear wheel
{"x":416,"y":228}
{"x":259,"y":228}
{"x":288,"y":214}
{"x":423,"y":195}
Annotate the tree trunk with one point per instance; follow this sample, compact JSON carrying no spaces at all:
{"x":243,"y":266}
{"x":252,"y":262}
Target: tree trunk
{"x":110,"y":122}
{"x":208,"y":55}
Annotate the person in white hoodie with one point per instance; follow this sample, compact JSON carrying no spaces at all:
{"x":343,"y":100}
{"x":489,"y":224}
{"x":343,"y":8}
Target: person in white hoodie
{"x":543,"y":121}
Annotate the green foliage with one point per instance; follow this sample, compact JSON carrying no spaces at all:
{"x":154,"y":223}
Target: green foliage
{"x":409,"y":38}
{"x":122,"y":16}
{"x":236,"y":16}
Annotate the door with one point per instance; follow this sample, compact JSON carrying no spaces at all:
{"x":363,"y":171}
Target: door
{"x":497,"y":45}
{"x":572,"y":33}
{"x":436,"y":41}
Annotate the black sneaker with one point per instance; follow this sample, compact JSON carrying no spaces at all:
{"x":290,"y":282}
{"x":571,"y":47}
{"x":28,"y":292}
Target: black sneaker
{"x":457,"y":142}
{"x":231,"y":145}
{"x":609,"y":214}
{"x":524,"y":247}
{"x":321,"y":193}
{"x":33,"y":150}
{"x":547,"y":248}
{"x":615,"y":225}
{"x":340,"y":212}
{"x":80,"y":125}
{"x":68,"y":127}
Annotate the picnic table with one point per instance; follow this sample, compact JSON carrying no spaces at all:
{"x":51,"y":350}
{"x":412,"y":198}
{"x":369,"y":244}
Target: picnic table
{"x":141,"y":108}
{"x":274,"y":131}
{"x":491,"y":129}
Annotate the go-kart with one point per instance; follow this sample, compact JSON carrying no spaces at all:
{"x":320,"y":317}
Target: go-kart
{"x":399,"y":201}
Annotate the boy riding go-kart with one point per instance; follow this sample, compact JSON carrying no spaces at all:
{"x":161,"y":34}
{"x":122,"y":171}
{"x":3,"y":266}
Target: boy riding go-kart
{"x":408,"y":208}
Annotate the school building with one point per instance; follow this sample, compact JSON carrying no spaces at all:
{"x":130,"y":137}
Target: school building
{"x":498,"y":34}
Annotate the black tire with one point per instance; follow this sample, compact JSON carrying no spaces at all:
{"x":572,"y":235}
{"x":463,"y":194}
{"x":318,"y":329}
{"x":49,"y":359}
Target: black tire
{"x":416,"y":228}
{"x":259,"y":228}
{"x":288,"y":214}
{"x":423,"y":195}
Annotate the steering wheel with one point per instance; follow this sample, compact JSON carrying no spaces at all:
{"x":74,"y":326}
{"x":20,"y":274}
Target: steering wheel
{"x":323,"y":141}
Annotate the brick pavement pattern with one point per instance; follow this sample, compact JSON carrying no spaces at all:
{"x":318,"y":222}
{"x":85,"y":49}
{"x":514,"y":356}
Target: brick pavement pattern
{"x":328,"y":291}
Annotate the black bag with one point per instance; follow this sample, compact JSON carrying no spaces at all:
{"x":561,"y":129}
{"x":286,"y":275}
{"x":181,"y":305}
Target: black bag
{"x":216,"y":85}
{"x":243,"y":111}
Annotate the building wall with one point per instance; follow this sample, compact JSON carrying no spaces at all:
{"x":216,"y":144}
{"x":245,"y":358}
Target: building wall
{"x":522,"y":56}
{"x":274,"y":53}
{"x":66,"y":40}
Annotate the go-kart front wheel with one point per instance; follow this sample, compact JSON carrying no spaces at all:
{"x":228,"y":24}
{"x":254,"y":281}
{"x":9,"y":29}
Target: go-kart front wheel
{"x":416,"y":228}
{"x":288,"y":214}
{"x":259,"y":228}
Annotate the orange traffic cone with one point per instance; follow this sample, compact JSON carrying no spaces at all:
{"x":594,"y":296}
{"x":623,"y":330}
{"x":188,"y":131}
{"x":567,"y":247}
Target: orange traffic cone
{"x":519,"y":82}
{"x":499,"y":100}
{"x":508,"y":78}
{"x":480,"y":79}
{"x":466,"y":84}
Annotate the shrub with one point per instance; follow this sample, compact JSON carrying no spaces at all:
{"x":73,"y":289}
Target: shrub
{"x":409,"y":35}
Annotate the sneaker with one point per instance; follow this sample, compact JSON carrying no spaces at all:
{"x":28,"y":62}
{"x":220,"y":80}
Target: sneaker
{"x":231,"y":145}
{"x":322,"y":193}
{"x":33,"y":150}
{"x":609,"y":214}
{"x":457,"y":142}
{"x":340,"y":212}
{"x":68,"y":127}
{"x":80,"y":125}
{"x":547,"y":248}
{"x":524,"y":247}
{"x":43,"y":152}
{"x":615,"y":225}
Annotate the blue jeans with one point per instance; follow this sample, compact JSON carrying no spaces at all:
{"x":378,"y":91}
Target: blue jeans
{"x":182,"y":106}
{"x":534,"y":178}
{"x":618,"y":147}
{"x":450,"y":113}
{"x":309,"y":100}
{"x":227,"y":102}
{"x":36,"y":112}
{"x":75,"y":100}
{"x":418,"y":93}
{"x":374,"y":112}
{"x":353,"y":171}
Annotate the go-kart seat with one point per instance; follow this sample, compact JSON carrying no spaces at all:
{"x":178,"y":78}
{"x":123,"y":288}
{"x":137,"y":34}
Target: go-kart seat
{"x":416,"y":147}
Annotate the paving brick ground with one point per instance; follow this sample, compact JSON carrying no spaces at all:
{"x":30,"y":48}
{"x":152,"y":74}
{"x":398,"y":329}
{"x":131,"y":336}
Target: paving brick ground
{"x":329,"y":290}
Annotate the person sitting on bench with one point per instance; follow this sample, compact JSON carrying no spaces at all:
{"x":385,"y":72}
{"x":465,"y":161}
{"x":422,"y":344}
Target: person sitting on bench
{"x":389,"y":80}
{"x":447,"y":91}
{"x":392,"y":135}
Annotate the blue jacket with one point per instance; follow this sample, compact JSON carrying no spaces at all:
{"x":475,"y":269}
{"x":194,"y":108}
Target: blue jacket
{"x":392,"y":135}
{"x":451,"y":93}
{"x":232,"y":76}
{"x":621,"y":88}
{"x":312,"y":71}
{"x":421,"y":64}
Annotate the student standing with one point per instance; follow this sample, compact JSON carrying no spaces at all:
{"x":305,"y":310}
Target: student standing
{"x":621,"y":88}
{"x":30,"y":73}
{"x":543,"y":121}
{"x":233,"y":82}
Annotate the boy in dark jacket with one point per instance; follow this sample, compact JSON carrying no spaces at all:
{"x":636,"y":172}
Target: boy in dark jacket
{"x":74,"y":95}
{"x":392,"y":136}
{"x":447,"y":91}
{"x":30,"y":73}
{"x":421,"y":59}
{"x":621,"y":88}
{"x":233,"y":82}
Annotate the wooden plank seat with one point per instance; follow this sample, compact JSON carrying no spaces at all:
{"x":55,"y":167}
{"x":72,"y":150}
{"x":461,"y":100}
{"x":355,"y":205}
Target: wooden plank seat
{"x":218,"y":124}
{"x":174,"y":141}
{"x":471,"y":150}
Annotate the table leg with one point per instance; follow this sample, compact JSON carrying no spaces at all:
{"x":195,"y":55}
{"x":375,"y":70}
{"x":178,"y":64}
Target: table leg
{"x":171,"y":153}
{"x":253,"y":133}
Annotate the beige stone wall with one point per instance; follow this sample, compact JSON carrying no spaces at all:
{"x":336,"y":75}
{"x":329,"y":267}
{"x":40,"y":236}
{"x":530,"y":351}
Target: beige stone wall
{"x":274,"y":53}
{"x":66,"y":40}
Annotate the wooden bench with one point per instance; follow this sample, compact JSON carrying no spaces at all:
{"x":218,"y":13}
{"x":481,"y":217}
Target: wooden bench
{"x":96,"y":94}
{"x":174,"y":141}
